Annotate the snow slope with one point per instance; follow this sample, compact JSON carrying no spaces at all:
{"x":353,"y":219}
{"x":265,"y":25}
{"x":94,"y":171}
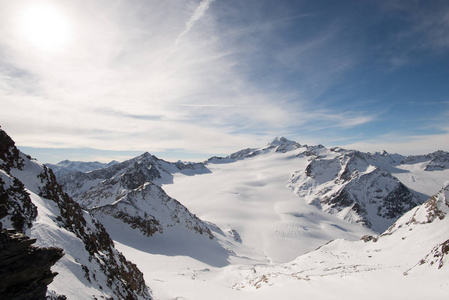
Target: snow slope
{"x":91,"y":267}
{"x":351,"y":186}
{"x":251,"y":197}
{"x":408,"y":261}
{"x":127,"y":193}
{"x":272,"y":216}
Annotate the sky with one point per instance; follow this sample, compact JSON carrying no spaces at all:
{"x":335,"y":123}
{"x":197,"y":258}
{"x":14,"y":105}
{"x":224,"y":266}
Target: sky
{"x":183,"y":79}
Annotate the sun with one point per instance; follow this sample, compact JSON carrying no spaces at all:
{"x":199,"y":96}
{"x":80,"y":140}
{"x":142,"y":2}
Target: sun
{"x":44,"y":26}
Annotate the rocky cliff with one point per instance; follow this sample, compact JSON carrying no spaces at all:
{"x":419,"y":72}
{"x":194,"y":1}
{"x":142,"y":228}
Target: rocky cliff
{"x":35,"y":204}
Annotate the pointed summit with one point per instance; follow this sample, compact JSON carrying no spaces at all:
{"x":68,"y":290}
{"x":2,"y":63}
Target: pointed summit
{"x":280,"y":141}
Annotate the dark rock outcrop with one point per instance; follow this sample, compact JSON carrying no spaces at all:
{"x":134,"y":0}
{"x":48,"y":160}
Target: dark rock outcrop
{"x":350,"y":186}
{"x":25,"y":269}
{"x":123,"y":276}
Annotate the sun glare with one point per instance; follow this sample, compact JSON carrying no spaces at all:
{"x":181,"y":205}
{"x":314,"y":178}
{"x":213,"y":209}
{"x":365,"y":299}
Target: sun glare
{"x":44,"y":27}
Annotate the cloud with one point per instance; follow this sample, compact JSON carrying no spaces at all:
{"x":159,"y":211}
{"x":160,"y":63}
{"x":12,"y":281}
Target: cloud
{"x":130,"y":79}
{"x":404,"y":144}
{"x":197,"y":14}
{"x":424,"y":28}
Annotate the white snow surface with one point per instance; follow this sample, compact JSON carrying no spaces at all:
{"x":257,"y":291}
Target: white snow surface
{"x":267,"y":236}
{"x":271,"y":243}
{"x":404,"y":263}
{"x":251,"y":197}
{"x":71,"y":281}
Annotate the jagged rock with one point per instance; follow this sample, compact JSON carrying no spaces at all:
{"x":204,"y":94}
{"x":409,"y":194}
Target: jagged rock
{"x":9,"y":154}
{"x":437,"y":207}
{"x":123,"y":276}
{"x":20,"y":211}
{"x":368,"y":238}
{"x":437,"y":256}
{"x":127,"y":192}
{"x":438,"y":160}
{"x":24,"y":181}
{"x":24,"y":269}
{"x":349,"y":186}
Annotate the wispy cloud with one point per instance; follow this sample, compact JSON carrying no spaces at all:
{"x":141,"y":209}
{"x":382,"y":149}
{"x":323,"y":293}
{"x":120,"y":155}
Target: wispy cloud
{"x":427,"y":102}
{"x":206,"y":77}
{"x":404,"y":144}
{"x":198,"y":14}
{"x":427,"y":29}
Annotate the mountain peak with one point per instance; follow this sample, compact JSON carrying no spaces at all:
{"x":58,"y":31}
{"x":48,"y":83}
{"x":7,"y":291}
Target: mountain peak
{"x":145,"y":155}
{"x":281,"y":141}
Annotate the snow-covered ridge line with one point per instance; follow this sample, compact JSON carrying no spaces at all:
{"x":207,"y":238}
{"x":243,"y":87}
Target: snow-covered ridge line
{"x":416,"y":247}
{"x":36,"y":204}
{"x":341,"y":193}
{"x":130,"y":192}
{"x":258,"y":222}
{"x":67,"y":166}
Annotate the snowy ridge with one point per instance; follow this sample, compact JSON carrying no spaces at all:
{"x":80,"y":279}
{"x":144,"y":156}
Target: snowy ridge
{"x":410,"y":260}
{"x":127,"y":192}
{"x":437,"y":160}
{"x":67,"y":166}
{"x":149,"y":209}
{"x":91,"y":266}
{"x":286,"y":219}
{"x":352,"y":188}
{"x":148,"y":166}
{"x":279,"y":144}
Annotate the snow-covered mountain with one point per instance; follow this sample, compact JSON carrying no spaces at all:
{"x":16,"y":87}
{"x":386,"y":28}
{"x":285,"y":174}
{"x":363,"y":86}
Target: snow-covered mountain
{"x":438,"y":160}
{"x":36,"y":206}
{"x":350,"y":185}
{"x":67,"y":166}
{"x":251,"y":193}
{"x":128,"y":192}
{"x":355,"y":186}
{"x":256,"y":224}
{"x":410,"y":260}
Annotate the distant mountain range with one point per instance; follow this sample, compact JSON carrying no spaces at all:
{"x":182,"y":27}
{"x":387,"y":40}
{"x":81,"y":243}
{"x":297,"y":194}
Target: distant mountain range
{"x":67,"y":166}
{"x":246,"y":224}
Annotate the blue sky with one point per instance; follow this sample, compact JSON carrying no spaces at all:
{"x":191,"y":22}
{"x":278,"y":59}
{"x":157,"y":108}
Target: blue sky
{"x":187,"y":80}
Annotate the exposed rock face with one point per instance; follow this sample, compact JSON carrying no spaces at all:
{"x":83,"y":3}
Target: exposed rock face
{"x":438,"y":255}
{"x":150,"y":210}
{"x":25,"y":269}
{"x":123,"y":277}
{"x":353,"y":189}
{"x":437,"y":207}
{"x":23,"y":182}
{"x":431,"y":214}
{"x":9,"y":154}
{"x":17,"y":203}
{"x":438,"y":160}
{"x":128,"y":192}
